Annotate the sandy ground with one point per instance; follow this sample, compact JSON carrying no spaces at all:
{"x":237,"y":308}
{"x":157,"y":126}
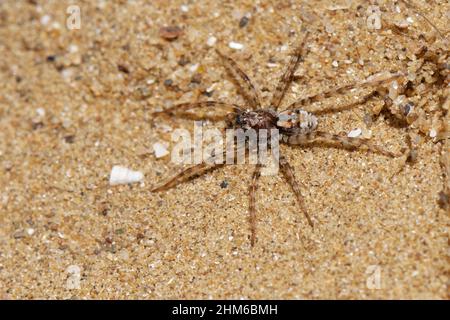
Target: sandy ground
{"x":76,"y":102}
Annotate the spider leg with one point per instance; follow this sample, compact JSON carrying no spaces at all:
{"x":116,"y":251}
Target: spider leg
{"x":288,"y":174}
{"x":371,"y":82}
{"x":444,"y":195}
{"x":243,"y":82}
{"x":342,"y":141}
{"x":192,"y":171}
{"x":416,"y":11}
{"x":343,"y":107}
{"x":288,"y":75}
{"x":185,"y":107}
{"x":188,"y":173}
{"x":252,"y":202}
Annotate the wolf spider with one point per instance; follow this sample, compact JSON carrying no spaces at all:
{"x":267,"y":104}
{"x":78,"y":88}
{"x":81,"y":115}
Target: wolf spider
{"x":296,"y":126}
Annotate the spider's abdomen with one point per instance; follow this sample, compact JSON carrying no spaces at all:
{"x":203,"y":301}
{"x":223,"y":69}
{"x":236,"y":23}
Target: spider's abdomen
{"x":296,"y":122}
{"x":258,"y":119}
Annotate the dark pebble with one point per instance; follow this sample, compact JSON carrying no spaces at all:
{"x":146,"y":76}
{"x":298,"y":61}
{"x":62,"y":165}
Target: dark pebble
{"x":244,"y":21}
{"x":196,"y":78}
{"x":224,"y":184}
{"x":170,"y":33}
{"x":123,"y":68}
{"x":444,"y":201}
{"x":69,"y":138}
{"x":183,"y":61}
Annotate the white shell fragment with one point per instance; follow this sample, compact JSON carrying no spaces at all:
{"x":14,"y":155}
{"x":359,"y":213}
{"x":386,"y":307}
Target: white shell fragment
{"x":211,"y":41}
{"x":160,"y":150}
{"x":122,"y":175}
{"x":433,"y":133}
{"x":40,"y":112}
{"x":194,"y":67}
{"x":236,"y":45}
{"x":45,"y":20}
{"x":393,"y":90}
{"x":354,"y":133}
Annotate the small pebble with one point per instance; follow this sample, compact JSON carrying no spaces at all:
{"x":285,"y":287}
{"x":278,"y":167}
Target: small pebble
{"x":184,"y":8}
{"x":194,"y":67}
{"x":329,"y":28}
{"x":224,"y":184}
{"x":45,"y":20}
{"x":69,"y":138}
{"x":408,"y":108}
{"x":393,"y":90}
{"x":367,"y":134}
{"x":196,"y":78}
{"x":67,"y":74}
{"x":143,"y":92}
{"x":123,"y":254}
{"x":443,"y":200}
{"x":123,"y":68}
{"x":170,"y":33}
{"x":211,"y":88}
{"x":354,"y":133}
{"x":368,"y":120}
{"x":19,"y":234}
{"x":160,"y":150}
{"x":211,"y":41}
{"x":402,"y":24}
{"x":433,"y":133}
{"x":400,"y":100}
{"x":183,"y":61}
{"x":73,"y":48}
{"x":236,"y":45}
{"x":335,"y":64}
{"x":40,"y":112}
{"x":208,"y":93}
{"x":56,"y":25}
{"x":243,"y":22}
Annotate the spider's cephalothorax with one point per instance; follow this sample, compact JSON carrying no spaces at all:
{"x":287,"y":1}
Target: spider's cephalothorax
{"x":296,"y":127}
